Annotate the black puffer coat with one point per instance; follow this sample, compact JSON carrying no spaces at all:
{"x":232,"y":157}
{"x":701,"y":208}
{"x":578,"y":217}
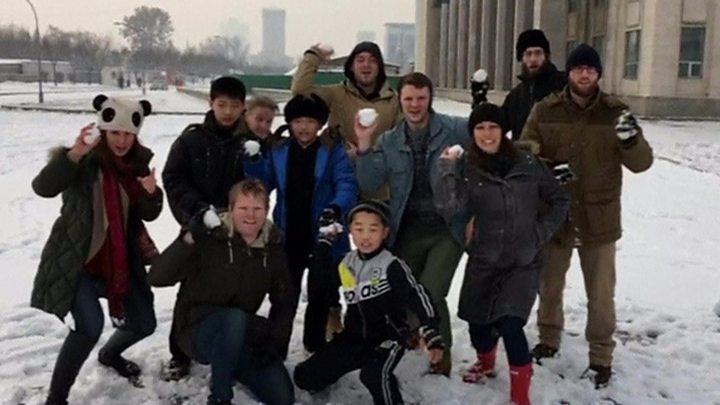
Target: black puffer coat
{"x":201,"y":168}
{"x":503,"y":270}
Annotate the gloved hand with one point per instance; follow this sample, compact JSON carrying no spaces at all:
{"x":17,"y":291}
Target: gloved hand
{"x":329,"y":225}
{"x":627,"y":126}
{"x":432,"y":338}
{"x":329,"y":215}
{"x":206,"y":222}
{"x":479,"y":86}
{"x":563,"y":174}
{"x":252,"y":148}
{"x":211,"y":219}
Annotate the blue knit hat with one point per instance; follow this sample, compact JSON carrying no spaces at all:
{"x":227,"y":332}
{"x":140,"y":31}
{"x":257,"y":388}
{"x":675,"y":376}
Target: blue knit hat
{"x":584,"y":55}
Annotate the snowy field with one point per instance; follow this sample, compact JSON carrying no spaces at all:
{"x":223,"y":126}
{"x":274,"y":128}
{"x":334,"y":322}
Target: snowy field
{"x":668,"y":337}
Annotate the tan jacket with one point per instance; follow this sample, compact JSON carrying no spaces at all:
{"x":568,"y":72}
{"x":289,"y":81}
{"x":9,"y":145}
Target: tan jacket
{"x":344,"y":100}
{"x":562,"y":132}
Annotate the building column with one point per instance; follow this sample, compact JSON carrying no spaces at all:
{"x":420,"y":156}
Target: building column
{"x":504,"y":48}
{"x":473,"y":36}
{"x":461,"y":75}
{"x":551,"y":17}
{"x":452,"y":42}
{"x":427,"y":43}
{"x":523,"y":21}
{"x":487,"y":38}
{"x":443,"y":68}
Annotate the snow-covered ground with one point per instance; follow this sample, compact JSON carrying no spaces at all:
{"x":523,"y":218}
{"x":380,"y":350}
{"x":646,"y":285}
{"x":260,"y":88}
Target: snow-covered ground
{"x":668,"y":282}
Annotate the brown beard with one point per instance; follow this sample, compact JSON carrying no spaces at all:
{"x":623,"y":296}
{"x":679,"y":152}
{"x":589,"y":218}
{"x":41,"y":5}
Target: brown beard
{"x":582,"y":92}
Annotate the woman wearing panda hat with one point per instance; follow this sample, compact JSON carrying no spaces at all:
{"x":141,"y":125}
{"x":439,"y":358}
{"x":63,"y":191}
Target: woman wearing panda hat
{"x":99,"y":245}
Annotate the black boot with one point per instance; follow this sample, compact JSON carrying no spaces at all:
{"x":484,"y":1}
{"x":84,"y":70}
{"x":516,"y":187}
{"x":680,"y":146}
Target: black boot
{"x":602,"y":375}
{"x":543,"y":351}
{"x":73,"y":353}
{"x":110,"y":353}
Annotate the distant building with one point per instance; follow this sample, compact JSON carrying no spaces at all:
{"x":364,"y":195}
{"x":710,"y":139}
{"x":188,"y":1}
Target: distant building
{"x":400,"y":43}
{"x":26,"y":70}
{"x":365,"y":36}
{"x":273,"y":39}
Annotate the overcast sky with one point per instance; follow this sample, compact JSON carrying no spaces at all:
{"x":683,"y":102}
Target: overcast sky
{"x":307,"y":21}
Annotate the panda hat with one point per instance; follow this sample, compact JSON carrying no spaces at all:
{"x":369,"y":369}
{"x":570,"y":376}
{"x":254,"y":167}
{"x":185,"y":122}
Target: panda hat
{"x":120,"y":114}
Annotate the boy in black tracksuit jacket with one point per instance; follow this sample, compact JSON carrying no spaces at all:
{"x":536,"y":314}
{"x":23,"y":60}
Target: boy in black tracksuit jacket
{"x":378,"y":287}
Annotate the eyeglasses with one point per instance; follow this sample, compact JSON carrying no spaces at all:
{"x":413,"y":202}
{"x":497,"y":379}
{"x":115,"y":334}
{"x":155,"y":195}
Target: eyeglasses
{"x":585,"y":69}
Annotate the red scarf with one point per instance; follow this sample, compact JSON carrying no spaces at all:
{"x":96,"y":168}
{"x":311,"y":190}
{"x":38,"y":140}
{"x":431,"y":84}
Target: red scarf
{"x":111,"y":262}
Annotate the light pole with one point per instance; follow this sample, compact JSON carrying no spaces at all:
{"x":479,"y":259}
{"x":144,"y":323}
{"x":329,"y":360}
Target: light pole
{"x":136,"y":29}
{"x":41,"y":99}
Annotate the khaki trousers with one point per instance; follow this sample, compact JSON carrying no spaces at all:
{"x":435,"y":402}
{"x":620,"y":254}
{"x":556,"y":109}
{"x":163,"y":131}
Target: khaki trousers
{"x":598,"y":268}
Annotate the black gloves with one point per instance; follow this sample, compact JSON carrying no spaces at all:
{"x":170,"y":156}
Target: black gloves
{"x":627,"y":127}
{"x":432,"y":338}
{"x":562,"y":173}
{"x":479,"y":86}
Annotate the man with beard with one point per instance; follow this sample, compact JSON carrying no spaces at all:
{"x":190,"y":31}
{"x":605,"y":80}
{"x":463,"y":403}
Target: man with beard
{"x":365,"y":86}
{"x":538,"y":79}
{"x":595,"y":135}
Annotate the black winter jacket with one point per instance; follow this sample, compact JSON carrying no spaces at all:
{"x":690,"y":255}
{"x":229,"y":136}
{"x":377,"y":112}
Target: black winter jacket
{"x":520,"y":100}
{"x":503,"y":268}
{"x":221,"y":271}
{"x":201,"y":168}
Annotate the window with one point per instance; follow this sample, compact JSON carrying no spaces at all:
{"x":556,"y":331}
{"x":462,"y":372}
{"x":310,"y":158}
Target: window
{"x":692,"y":44}
{"x":598,"y":42}
{"x":573,"y":6}
{"x":632,"y":54}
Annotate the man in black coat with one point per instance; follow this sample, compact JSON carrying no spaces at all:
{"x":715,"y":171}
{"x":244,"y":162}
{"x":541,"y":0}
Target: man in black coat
{"x":538,"y":79}
{"x":204,"y":162}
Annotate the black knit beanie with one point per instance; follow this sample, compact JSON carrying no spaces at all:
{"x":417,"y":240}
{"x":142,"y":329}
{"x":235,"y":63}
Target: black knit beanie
{"x":530,"y":39}
{"x":487,"y":112}
{"x":584,"y":55}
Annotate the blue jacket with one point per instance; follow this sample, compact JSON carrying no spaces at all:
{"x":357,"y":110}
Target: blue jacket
{"x":335,"y":184}
{"x":391,"y":161}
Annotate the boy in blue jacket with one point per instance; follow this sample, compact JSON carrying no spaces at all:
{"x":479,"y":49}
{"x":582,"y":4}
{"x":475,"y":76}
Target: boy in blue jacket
{"x":315,"y":183}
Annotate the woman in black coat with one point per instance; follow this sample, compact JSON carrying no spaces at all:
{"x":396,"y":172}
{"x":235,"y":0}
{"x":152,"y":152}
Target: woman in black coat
{"x":503,"y":189}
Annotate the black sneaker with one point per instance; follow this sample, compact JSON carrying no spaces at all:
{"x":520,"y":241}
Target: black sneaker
{"x":602,"y":375}
{"x":123,"y":366}
{"x":176,"y":370}
{"x":543,"y":351}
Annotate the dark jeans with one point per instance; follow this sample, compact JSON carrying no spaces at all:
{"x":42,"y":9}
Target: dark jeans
{"x":88,"y":315}
{"x":485,"y":337}
{"x":341,"y":356}
{"x":219,"y":340}
{"x":175,"y":351}
{"x":322,"y":290}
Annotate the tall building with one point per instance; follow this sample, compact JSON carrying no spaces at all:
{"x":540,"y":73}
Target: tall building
{"x":365,"y":36}
{"x":273,"y":39}
{"x":400,"y":43}
{"x":657,"y":55}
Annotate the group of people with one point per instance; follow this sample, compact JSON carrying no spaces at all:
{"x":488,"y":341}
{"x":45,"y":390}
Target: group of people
{"x":415,"y":189}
